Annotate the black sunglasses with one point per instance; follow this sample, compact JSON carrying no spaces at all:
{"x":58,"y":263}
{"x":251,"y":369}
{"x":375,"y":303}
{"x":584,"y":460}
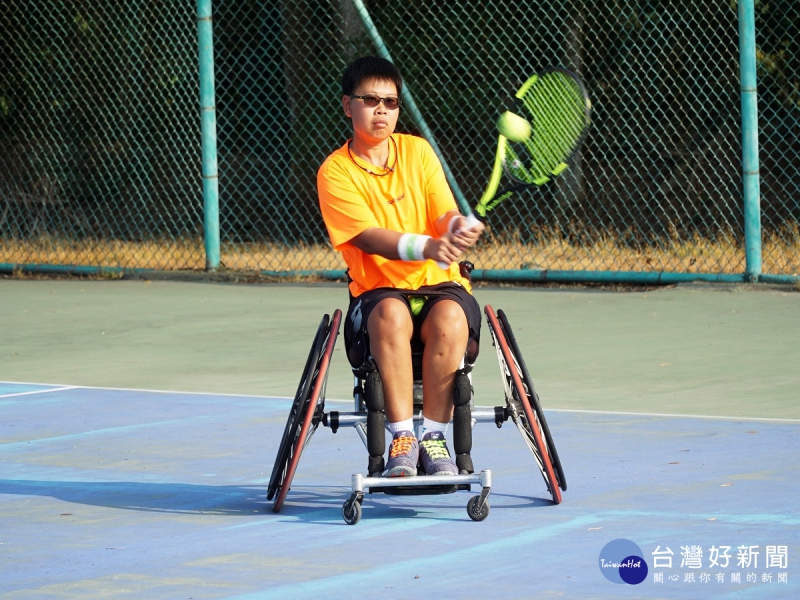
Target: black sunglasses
{"x":371,"y":101}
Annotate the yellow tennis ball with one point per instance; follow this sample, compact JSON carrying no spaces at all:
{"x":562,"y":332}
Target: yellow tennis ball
{"x":416,"y":303}
{"x":513,"y":127}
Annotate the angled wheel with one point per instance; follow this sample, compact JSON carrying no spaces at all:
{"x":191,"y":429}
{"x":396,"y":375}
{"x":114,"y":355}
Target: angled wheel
{"x":534,"y":399}
{"x":519,"y":405}
{"x":298,"y":411}
{"x":309,"y":402}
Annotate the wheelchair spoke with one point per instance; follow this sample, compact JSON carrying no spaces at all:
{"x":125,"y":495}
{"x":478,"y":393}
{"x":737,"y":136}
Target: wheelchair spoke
{"x":309,"y":404}
{"x":515,"y":409}
{"x":521,"y":404}
{"x":533,"y":400}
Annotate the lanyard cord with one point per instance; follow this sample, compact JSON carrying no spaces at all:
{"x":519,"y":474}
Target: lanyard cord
{"x":386,"y":168}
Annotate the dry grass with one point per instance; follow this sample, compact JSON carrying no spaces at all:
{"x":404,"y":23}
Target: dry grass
{"x":781,"y":255}
{"x":166,"y":255}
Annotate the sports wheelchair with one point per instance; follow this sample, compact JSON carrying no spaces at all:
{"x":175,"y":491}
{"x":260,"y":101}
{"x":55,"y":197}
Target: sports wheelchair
{"x":308,"y":412}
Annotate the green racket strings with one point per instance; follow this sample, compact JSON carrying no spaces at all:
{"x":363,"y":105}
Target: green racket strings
{"x":557,"y":111}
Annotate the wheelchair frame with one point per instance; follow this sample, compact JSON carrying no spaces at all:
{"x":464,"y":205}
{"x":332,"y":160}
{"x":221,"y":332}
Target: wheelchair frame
{"x":308,"y":412}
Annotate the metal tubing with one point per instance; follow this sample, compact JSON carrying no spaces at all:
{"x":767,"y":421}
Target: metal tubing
{"x":546,"y":275}
{"x":531,"y":275}
{"x":361,"y":428}
{"x":321,"y":274}
{"x":69,"y":269}
{"x":655,"y":278}
{"x":481,"y":414}
{"x":781,"y":279}
{"x":750,"y":166}
{"x":208,"y":129}
{"x":632,"y":277}
{"x":358,"y":393}
{"x":361,"y":483}
{"x":351,"y":419}
{"x":408,"y":101}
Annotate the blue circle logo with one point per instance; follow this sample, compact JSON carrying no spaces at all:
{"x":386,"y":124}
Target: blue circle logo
{"x":621,"y":561}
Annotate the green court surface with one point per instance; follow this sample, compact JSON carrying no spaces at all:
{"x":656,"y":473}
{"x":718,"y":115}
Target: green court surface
{"x":139,"y":422}
{"x":696,"y":349}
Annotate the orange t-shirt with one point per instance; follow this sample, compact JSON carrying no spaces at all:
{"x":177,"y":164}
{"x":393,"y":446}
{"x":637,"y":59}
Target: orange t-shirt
{"x":408,"y":200}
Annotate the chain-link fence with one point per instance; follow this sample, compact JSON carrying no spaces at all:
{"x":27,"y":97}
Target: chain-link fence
{"x":99,"y":134}
{"x":778,"y":56}
{"x":100,"y":142}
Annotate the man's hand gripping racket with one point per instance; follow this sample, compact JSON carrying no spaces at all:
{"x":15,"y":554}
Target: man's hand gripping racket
{"x":539,"y":134}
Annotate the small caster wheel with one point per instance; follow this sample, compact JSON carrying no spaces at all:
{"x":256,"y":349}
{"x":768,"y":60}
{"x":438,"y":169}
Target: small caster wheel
{"x":472,"y":509}
{"x":351,"y":512}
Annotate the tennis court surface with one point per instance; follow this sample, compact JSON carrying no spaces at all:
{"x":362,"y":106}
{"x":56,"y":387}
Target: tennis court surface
{"x":109,"y":488}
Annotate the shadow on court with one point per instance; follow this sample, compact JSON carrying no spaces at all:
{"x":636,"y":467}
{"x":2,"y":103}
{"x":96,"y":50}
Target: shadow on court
{"x":123,"y":492}
{"x":157,"y":497}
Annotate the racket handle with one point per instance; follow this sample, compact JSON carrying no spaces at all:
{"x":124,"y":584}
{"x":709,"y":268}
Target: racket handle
{"x":472,"y":220}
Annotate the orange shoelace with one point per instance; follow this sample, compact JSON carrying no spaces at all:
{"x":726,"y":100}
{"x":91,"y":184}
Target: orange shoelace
{"x":401,"y":445}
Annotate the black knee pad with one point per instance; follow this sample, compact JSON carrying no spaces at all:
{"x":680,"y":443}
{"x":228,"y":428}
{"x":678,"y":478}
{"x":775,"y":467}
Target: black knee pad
{"x":376,"y":421}
{"x":462,"y":389}
{"x":462,"y":422}
{"x":373,"y":392}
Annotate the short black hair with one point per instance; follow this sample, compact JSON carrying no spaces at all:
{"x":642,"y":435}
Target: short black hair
{"x":370,"y":67}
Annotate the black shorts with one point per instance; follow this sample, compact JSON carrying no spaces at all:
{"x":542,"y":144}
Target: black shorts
{"x":419,"y":302}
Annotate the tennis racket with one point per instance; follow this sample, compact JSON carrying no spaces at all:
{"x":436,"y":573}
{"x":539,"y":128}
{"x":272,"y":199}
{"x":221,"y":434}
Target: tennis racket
{"x":555,"y":104}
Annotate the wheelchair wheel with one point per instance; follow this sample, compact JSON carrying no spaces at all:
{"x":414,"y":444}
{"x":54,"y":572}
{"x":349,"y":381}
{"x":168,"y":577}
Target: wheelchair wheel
{"x":297,"y":411}
{"x":351,"y":512}
{"x":472,"y":509}
{"x":534,"y":399}
{"x":309,"y":402}
{"x":518,"y":404}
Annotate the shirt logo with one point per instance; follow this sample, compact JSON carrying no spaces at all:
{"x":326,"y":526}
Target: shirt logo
{"x":396,"y":200}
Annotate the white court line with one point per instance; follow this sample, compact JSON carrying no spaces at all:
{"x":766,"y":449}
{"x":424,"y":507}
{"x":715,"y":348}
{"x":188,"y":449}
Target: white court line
{"x":47,"y":391}
{"x":637,"y":414}
{"x":350,"y":401}
{"x":671,"y":415}
{"x":116,"y":389}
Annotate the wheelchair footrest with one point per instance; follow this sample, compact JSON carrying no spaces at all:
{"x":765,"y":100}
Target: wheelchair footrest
{"x":421,"y":484}
{"x":477,"y":507}
{"x":421,"y":490}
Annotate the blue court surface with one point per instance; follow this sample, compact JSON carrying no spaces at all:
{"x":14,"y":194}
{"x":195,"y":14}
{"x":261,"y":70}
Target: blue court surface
{"x":148,"y":494}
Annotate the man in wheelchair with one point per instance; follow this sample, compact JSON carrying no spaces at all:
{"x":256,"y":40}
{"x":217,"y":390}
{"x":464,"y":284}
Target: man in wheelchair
{"x":389,"y":211}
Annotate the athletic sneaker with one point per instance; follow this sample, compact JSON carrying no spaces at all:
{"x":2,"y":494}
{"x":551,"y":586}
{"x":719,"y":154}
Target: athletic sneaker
{"x":403,"y":455}
{"x":434,"y":458}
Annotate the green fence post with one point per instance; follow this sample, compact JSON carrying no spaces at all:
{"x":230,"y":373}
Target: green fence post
{"x":208,"y":128}
{"x":750,"y":176}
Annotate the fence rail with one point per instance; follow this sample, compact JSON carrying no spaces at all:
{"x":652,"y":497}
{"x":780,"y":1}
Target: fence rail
{"x":117,"y":131}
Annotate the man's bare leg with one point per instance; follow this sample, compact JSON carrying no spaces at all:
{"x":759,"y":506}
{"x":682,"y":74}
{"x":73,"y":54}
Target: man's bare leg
{"x":390,"y":329}
{"x":445,"y":334}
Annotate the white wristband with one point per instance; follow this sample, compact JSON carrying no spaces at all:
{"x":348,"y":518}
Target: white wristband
{"x":411,"y":246}
{"x":451,"y":226}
